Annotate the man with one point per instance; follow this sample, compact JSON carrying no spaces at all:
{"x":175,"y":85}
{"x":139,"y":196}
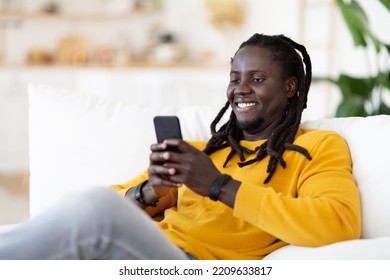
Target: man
{"x":259,"y":183}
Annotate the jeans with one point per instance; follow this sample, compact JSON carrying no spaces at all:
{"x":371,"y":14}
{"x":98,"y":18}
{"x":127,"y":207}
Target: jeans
{"x":93,"y":224}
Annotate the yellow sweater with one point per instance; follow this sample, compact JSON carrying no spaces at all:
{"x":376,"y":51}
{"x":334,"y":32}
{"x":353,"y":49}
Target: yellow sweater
{"x":309,"y":203}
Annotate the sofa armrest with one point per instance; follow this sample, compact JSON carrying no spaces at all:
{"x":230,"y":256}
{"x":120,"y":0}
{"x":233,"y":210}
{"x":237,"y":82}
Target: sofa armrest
{"x":374,"y":248}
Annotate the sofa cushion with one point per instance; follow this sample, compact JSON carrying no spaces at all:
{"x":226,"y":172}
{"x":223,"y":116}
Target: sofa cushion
{"x":78,"y":140}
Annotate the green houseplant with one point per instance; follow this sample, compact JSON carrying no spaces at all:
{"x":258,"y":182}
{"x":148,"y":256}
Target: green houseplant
{"x":364,"y":95}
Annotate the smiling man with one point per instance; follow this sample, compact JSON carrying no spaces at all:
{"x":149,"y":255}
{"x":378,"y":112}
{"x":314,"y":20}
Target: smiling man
{"x":258,"y":93}
{"x":261,"y":182}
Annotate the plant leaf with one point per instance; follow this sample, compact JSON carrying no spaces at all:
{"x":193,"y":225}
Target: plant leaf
{"x":386,"y":3}
{"x":383,"y":109}
{"x":356,"y":21}
{"x":375,"y":41}
{"x":351,"y":107}
{"x":384,"y":79}
{"x":387,"y":47}
{"x":358,"y":24}
{"x":352,"y":86}
{"x":317,"y":79}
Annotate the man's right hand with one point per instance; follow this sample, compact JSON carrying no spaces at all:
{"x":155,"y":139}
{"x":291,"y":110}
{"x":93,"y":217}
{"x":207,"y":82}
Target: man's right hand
{"x":159,"y":183}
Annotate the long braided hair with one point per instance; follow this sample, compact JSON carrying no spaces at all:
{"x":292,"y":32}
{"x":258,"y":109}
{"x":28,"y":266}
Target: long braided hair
{"x":284,"y":51}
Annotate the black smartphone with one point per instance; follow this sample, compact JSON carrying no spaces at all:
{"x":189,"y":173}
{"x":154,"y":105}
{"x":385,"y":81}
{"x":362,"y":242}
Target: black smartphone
{"x":167,"y":127}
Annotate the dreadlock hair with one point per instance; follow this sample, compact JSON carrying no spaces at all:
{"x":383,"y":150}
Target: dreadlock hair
{"x":284,"y":52}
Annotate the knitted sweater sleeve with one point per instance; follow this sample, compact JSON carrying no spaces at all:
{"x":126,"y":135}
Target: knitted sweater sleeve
{"x":323,"y":208}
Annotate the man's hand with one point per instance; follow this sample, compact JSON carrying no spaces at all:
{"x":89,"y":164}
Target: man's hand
{"x":191,"y":167}
{"x":158,"y":175}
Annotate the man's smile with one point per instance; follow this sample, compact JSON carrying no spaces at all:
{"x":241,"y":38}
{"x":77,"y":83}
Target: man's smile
{"x":245,"y":104}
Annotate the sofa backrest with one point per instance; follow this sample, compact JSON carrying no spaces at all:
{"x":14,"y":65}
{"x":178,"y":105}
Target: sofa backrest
{"x":368,"y":140}
{"x":79,"y":141}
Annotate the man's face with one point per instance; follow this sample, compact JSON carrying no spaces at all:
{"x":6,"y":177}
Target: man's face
{"x":257,"y":92}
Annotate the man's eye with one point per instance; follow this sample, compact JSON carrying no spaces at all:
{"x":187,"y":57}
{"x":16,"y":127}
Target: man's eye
{"x":258,"y":80}
{"x":234,"y":81}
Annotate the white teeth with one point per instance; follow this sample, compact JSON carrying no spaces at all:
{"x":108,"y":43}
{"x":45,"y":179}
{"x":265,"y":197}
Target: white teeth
{"x":244,"y":105}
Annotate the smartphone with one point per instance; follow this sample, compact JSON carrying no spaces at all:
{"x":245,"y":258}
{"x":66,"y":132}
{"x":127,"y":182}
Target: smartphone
{"x":167,"y":127}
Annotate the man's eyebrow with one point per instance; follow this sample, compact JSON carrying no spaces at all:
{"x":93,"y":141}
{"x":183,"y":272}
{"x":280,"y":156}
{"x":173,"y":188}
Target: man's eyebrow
{"x":249,"y":71}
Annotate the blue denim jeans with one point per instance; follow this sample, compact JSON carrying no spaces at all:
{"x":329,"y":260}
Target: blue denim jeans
{"x":93,"y":224}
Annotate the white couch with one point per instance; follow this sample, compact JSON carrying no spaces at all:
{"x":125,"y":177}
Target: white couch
{"x":79,"y":140}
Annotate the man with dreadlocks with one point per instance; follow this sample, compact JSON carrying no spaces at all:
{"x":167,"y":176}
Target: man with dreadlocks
{"x":261,"y":182}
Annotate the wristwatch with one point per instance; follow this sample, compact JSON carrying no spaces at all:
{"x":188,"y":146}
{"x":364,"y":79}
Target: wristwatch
{"x":140,"y":197}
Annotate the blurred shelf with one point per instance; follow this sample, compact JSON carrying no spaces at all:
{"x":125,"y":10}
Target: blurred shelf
{"x":70,"y":16}
{"x":127,"y":66}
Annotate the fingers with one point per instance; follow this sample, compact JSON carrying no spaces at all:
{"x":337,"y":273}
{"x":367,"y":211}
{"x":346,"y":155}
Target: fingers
{"x":158,"y":147}
{"x":157,"y":181}
{"x":179,"y":144}
{"x":160,"y":175}
{"x":166,"y":167}
{"x":176,"y":143}
{"x":160,"y":156}
{"x":161,"y":170}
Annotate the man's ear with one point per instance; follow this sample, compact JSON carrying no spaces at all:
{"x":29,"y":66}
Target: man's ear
{"x":291,"y":86}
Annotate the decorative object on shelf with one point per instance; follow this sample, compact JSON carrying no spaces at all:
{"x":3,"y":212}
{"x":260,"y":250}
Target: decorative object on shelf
{"x":168,"y":49}
{"x":147,"y":5}
{"x":226,"y":12}
{"x":73,"y":50}
{"x":51,"y":7}
{"x":103,"y":55}
{"x":39,"y":56}
{"x":84,"y":8}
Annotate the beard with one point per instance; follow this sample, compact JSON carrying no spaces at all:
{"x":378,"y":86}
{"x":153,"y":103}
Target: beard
{"x":250,"y":125}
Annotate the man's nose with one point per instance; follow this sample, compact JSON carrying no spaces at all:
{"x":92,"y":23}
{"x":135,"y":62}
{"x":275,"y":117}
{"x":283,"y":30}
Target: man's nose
{"x":243,"y":88}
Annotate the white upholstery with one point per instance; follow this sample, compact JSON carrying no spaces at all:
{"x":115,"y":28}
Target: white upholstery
{"x":79,"y":140}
